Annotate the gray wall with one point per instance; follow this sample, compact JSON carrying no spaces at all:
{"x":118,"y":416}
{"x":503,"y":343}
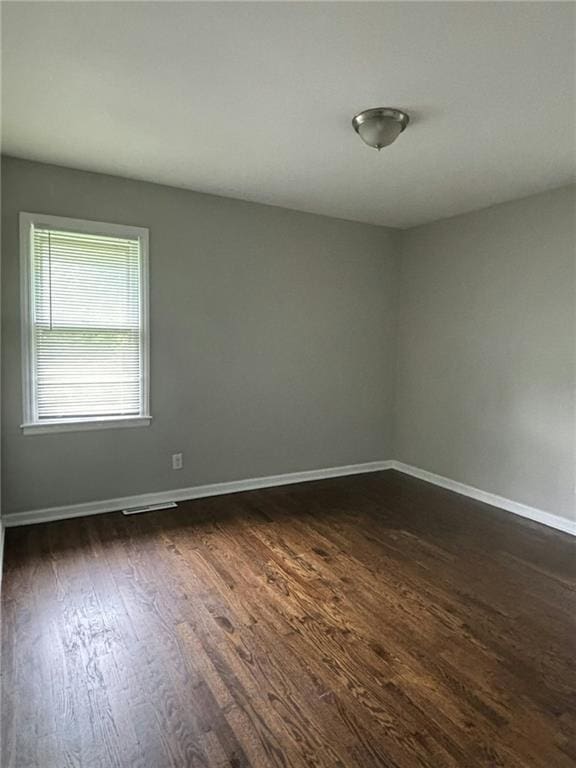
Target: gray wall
{"x":271,"y":342}
{"x":485,"y":386}
{"x":283,"y":341}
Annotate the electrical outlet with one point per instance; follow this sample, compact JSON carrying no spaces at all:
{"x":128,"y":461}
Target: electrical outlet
{"x":177,"y":461}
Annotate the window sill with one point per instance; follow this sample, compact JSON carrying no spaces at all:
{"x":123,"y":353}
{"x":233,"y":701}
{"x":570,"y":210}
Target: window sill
{"x":82,"y":425}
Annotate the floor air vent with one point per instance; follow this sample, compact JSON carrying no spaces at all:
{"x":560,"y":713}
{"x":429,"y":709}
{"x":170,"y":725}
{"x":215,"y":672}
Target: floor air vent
{"x":149,"y":508}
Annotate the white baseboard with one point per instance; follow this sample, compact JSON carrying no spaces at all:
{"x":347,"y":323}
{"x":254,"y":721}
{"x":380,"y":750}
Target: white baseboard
{"x":537,"y":515}
{"x":185,"y":494}
{"x":236,"y":486}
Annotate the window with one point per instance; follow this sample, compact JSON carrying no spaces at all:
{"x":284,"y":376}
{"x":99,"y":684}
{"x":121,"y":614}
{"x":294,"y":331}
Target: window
{"x":84,"y":324}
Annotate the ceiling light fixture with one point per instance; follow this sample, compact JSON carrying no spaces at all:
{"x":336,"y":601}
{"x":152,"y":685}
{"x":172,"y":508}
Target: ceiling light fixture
{"x":380,"y":126}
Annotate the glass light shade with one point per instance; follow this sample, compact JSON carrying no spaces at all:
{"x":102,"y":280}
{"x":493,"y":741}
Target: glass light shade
{"x":380,"y":127}
{"x":379,"y":132}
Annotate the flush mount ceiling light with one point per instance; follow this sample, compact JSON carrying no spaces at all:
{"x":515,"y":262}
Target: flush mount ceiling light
{"x":381,"y":126}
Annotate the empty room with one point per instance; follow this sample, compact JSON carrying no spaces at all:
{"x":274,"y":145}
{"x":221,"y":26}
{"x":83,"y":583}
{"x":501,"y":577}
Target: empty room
{"x":288,"y":384}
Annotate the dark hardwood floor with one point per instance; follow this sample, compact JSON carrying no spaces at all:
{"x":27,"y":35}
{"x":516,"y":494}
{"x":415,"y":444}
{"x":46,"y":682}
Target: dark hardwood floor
{"x":363,"y":621}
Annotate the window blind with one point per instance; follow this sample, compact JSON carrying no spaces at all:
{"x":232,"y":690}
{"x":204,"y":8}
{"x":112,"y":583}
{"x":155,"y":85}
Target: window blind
{"x":86,"y":325}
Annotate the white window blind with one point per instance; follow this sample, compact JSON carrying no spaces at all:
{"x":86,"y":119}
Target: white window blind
{"x":87,"y":335}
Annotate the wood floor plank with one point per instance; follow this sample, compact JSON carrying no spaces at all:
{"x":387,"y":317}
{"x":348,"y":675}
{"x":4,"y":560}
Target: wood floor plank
{"x":362,"y":622}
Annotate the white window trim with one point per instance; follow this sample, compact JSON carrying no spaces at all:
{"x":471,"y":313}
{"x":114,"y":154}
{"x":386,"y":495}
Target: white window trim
{"x":31,"y":425}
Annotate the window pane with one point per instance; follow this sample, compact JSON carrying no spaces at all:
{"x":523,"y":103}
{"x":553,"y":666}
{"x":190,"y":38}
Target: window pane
{"x":83,"y":373}
{"x":87,"y":334}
